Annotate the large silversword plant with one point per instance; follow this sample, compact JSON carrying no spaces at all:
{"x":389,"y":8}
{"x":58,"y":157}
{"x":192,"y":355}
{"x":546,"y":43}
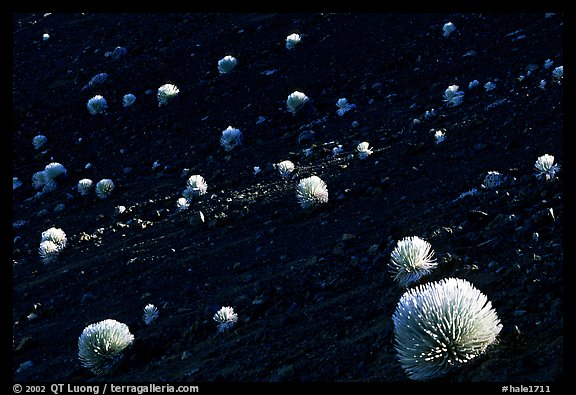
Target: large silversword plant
{"x":442,"y":325}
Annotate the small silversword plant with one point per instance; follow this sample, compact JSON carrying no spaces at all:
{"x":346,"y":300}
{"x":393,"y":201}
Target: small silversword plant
{"x":54,"y":170}
{"x":166,"y":93}
{"x":16,"y":183}
{"x":292,"y":40}
{"x":48,"y":251}
{"x":104,"y":188}
{"x":226,"y":64}
{"x":453,"y":96}
{"x":440,"y":136}
{"x":344,"y":106}
{"x":226,"y":318}
{"x":39,"y":141}
{"x":101,"y":346}
{"x":411,"y":259}
{"x":448,"y":29}
{"x":128,"y":100}
{"x":96,"y":105}
{"x":150,"y":314}
{"x":442,"y":325}
{"x":285,"y":168}
{"x":231,"y":137}
{"x":363,"y":149}
{"x":182,"y":204}
{"x":311,"y":192}
{"x":296,"y":101}
{"x":85,"y":186}
{"x":546,"y":169}
{"x":195,"y":187}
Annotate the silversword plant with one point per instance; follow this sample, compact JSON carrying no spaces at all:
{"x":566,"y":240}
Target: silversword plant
{"x":55,"y":235}
{"x":104,"y":188}
{"x":52,"y":242}
{"x":546,"y":169}
{"x":363,"y":149}
{"x":548,"y":63}
{"x":344,"y":106}
{"x":473,"y":84}
{"x":97,"y":105}
{"x":285,"y":168}
{"x":292,"y":40}
{"x":227,"y":64}
{"x":231,"y":138}
{"x":411,"y":259}
{"x":101,"y":346}
{"x":150,"y":314}
{"x":41,"y":180}
{"x":182,"y":203}
{"x":440,"y":136}
{"x":442,"y":325}
{"x":489,"y":86}
{"x":493,"y":180}
{"x":196,"y":186}
{"x":453,"y":96}
{"x":54,"y":170}
{"x":166,"y":93}
{"x":296,"y":101}
{"x":96,"y":80}
{"x":128,"y":100}
{"x":558,"y":74}
{"x":226,"y":318}
{"x":48,"y":251}
{"x":448,"y":29}
{"x":85,"y":186}
{"x":16,"y":183}
{"x":39,"y":141}
{"x":311,"y":192}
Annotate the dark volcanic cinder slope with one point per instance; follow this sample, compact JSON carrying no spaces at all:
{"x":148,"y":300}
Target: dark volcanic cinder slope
{"x":311,"y":288}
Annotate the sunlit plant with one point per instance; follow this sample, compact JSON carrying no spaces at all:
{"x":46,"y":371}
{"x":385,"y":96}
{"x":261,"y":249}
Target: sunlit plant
{"x":448,"y":29}
{"x":101,"y":346}
{"x":285,"y":168}
{"x":227,"y":64}
{"x":55,"y":235}
{"x":452,"y":96}
{"x":104,"y":188}
{"x":311,"y":191}
{"x":183,"y":203}
{"x":226,"y":318}
{"x":97,"y":105}
{"x":84,"y":186}
{"x":48,"y":251}
{"x":231,"y":138}
{"x":296,"y":100}
{"x":442,"y":325}
{"x":166,"y":93}
{"x":364,"y":150}
{"x":440,"y":136}
{"x":546,"y":169}
{"x":195,"y":187}
{"x":411,"y":259}
{"x":54,"y":170}
{"x":292,"y":40}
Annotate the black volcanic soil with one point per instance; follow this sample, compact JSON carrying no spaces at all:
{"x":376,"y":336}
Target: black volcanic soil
{"x":311,"y":288}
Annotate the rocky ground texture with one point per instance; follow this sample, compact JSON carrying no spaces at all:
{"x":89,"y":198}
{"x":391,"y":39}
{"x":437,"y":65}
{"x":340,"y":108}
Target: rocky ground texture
{"x":311,"y":288}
